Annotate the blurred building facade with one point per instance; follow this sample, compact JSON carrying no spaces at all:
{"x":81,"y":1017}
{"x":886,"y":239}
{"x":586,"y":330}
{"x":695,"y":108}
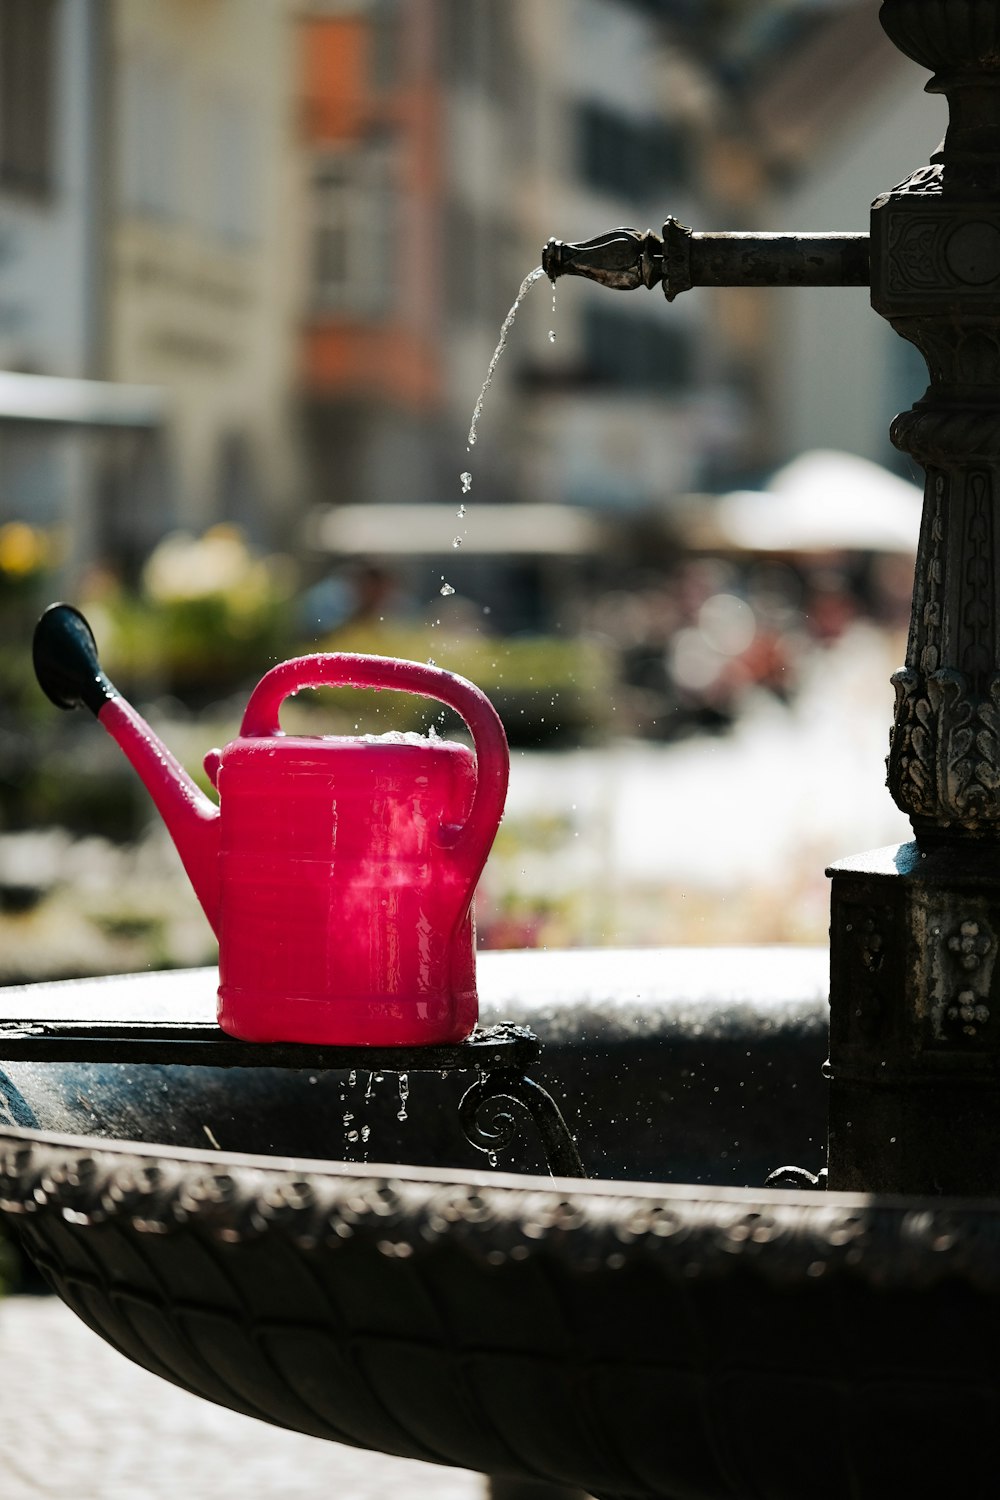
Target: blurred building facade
{"x":304,"y":221}
{"x":51,"y":308}
{"x":148,"y":158}
{"x":202,"y":253}
{"x":447,"y":141}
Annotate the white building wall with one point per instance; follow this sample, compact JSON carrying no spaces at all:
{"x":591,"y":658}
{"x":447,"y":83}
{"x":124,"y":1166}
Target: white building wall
{"x":46,"y":259}
{"x":839,"y":373}
{"x":206,"y":286}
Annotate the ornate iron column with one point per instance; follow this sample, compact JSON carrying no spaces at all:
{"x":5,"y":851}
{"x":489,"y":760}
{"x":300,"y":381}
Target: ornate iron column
{"x":915,"y":1017}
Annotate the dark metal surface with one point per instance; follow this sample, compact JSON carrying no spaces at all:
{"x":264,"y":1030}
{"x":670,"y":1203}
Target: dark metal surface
{"x":498,"y":1053}
{"x":204,"y":1044}
{"x":626,"y":259}
{"x":914,"y":1055}
{"x":713,"y":1056}
{"x":633,"y":1342}
{"x":505,"y":1087}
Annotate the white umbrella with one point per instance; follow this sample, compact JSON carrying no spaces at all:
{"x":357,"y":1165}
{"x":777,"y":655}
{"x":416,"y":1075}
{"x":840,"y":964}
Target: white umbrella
{"x":824,"y":502}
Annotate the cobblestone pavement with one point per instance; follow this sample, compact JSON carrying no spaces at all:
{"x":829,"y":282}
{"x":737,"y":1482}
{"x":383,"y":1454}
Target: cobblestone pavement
{"x":78,"y":1421}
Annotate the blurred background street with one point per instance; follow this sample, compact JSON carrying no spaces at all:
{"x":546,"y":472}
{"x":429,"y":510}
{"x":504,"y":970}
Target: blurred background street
{"x":82,"y":1423}
{"x":254,"y":259}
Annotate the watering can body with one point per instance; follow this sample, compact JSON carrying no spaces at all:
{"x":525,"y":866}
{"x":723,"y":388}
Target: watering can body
{"x":343,"y":913}
{"x":338,"y":873}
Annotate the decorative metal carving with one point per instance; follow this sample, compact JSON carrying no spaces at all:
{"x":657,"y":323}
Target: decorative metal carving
{"x":867,"y":928}
{"x":969,"y":954}
{"x":686,"y":1231}
{"x":490,"y":1098}
{"x":935,"y":261}
{"x":944,"y":756}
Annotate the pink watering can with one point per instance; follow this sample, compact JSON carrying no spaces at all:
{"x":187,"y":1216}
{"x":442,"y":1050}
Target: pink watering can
{"x":337,"y":873}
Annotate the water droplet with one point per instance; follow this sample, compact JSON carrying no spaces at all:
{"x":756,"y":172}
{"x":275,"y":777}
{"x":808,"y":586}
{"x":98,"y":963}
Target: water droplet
{"x":366,"y":1131}
{"x":493,"y":1158}
{"x":446,"y":589}
{"x":431,"y":662}
{"x":352,"y":1135}
{"x":552,"y":335}
{"x":456,"y":541}
{"x":461,"y":512}
{"x":371,"y":1086}
{"x":352,"y":1078}
{"x":466,"y":479}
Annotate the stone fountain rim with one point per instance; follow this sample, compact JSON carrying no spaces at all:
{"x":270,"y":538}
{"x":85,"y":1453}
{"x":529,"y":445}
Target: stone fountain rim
{"x":784,"y":1236}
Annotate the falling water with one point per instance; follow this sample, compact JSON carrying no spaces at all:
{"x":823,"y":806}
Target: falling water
{"x":526,"y":284}
{"x":466,"y":476}
{"x":404,"y":1091}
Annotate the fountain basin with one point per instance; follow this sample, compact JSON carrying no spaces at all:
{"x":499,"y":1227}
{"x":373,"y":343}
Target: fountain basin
{"x":635,"y":1340}
{"x":630,"y":1338}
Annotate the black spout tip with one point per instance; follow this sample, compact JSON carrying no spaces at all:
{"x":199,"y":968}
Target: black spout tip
{"x":552,"y":259}
{"x":65,"y":656}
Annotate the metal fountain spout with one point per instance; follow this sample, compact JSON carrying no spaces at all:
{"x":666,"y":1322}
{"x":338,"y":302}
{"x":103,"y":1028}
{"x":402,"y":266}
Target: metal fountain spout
{"x":680,"y":258}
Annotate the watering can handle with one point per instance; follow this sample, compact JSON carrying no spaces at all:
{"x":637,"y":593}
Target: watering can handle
{"x":349,"y":669}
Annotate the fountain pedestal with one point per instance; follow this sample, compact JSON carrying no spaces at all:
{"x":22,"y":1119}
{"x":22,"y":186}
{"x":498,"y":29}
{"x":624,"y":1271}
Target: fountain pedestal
{"x":914,"y":1052}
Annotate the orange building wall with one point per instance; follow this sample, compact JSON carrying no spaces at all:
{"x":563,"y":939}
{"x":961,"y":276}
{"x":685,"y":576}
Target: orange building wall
{"x":395,"y":359}
{"x":335,"y":69}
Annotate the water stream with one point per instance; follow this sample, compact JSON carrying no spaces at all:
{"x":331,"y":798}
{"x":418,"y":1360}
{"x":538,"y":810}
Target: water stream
{"x":525,"y":287}
{"x":465,"y":477}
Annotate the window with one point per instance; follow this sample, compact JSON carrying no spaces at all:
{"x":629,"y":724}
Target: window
{"x":27,"y":95}
{"x":151,"y":119}
{"x":630,"y":158}
{"x":354,"y":205}
{"x":480,"y":46}
{"x":386,"y":24}
{"x":232,"y":142}
{"x":635,"y":353}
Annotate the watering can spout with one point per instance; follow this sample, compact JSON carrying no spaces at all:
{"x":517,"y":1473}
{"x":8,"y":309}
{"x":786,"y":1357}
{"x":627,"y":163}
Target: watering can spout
{"x":70,"y":674}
